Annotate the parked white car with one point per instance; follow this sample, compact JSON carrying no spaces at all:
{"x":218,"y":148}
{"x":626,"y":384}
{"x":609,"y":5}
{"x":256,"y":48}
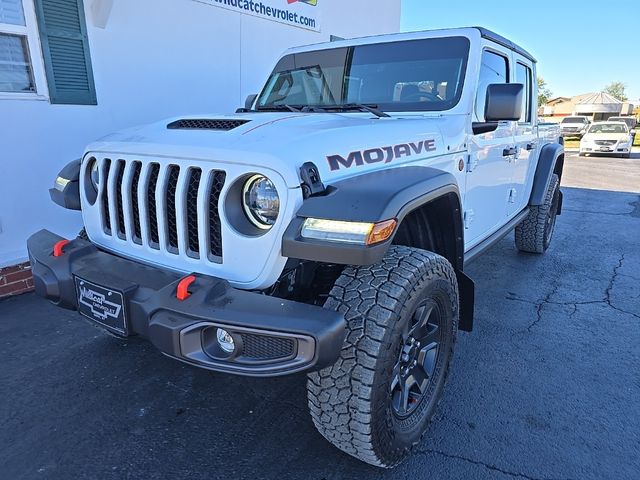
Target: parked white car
{"x":607,"y":138}
{"x":574,"y":126}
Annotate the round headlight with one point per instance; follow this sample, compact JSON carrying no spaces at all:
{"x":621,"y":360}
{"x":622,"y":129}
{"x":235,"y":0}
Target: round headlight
{"x":94,"y":174}
{"x":261,"y":202}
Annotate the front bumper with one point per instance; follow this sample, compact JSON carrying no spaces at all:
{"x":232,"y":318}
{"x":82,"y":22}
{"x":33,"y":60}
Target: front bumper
{"x":617,"y":148}
{"x":272,"y":336}
{"x":571,"y":134}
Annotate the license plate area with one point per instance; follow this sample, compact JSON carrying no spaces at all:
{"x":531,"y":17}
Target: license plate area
{"x":102,"y":305}
{"x":605,"y":149}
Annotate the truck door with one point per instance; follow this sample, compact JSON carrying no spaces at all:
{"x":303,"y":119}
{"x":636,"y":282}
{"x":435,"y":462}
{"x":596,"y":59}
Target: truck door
{"x":526,"y":137}
{"x":489,"y":170}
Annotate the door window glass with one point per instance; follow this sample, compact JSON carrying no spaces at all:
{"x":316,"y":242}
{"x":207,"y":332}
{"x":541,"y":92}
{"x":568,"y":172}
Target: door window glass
{"x":494,"y":69}
{"x":523,"y":76}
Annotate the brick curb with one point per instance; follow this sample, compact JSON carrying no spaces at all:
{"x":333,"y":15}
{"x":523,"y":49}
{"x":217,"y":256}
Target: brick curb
{"x":15,"y":280}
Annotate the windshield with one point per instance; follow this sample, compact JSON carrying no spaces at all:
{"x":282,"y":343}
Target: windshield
{"x":400,"y":76}
{"x":574,"y":120}
{"x":609,"y":128}
{"x":630,"y":121}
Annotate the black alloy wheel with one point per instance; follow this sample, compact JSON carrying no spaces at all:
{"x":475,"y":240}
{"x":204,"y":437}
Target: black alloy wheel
{"x":414,"y":371}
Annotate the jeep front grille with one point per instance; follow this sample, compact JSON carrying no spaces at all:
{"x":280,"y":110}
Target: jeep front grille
{"x":122,"y":231}
{"x":135,"y":206}
{"x":151,"y":204}
{"x":106,"y":167}
{"x":170,"y":202}
{"x":193,"y":242}
{"x":160,"y":206}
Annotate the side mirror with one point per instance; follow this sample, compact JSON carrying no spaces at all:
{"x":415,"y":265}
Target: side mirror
{"x":248,"y":103}
{"x":632,"y":132}
{"x":503,"y":102}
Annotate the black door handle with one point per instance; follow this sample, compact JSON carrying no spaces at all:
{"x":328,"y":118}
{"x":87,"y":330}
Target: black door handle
{"x":507,"y":152}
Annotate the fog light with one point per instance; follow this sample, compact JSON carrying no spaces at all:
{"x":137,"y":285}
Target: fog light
{"x":225,"y":340}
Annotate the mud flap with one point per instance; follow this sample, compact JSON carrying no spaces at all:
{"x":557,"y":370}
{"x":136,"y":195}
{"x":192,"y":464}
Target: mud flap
{"x":466,"y":289}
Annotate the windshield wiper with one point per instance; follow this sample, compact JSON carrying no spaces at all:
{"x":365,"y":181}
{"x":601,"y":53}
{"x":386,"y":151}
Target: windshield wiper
{"x":358,"y":106}
{"x":278,"y":108}
{"x":323,"y":108}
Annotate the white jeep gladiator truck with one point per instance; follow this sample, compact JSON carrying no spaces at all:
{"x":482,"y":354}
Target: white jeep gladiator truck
{"x":325,"y":227}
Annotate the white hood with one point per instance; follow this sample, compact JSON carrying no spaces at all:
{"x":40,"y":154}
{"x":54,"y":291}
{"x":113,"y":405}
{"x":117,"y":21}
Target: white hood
{"x":618,"y":137}
{"x":284,"y":141}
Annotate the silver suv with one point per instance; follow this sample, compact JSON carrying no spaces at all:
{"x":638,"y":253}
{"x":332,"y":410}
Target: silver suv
{"x":631,"y":122}
{"x":575,"y":126}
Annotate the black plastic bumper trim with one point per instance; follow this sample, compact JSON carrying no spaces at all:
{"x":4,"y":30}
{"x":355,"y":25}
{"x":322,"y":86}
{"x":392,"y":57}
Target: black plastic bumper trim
{"x":68,"y":195}
{"x":155,"y":313}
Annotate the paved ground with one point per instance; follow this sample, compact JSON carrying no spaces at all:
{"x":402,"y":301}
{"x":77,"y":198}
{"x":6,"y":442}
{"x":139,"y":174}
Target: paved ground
{"x":622,"y":175}
{"x":547,"y":386}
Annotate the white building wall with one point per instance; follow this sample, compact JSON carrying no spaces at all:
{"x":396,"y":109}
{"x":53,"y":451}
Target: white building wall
{"x":154,"y":59}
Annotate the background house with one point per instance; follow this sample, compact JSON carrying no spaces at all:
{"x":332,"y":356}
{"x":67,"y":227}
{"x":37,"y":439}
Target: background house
{"x":595,"y":105}
{"x":72,"y":71}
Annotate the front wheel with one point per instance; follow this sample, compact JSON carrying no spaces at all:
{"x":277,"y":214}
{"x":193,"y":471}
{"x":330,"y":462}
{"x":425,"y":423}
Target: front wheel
{"x":376,"y":401}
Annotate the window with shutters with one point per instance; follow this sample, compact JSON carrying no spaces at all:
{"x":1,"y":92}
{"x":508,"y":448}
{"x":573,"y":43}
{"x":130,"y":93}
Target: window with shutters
{"x":21,"y":72}
{"x":44,"y":51}
{"x":65,"y":50}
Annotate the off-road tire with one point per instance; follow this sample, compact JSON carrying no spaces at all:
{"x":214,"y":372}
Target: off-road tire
{"x":350,"y":402}
{"x":534,"y":234}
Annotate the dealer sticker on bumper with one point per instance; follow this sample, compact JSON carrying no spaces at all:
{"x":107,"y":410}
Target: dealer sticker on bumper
{"x":101,"y":305}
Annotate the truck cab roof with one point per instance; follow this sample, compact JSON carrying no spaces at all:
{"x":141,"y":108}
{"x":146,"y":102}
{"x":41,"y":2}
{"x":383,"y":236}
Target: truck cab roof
{"x":469,"y":32}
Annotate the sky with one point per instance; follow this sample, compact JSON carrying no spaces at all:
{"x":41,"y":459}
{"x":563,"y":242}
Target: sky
{"x":581,"y":46}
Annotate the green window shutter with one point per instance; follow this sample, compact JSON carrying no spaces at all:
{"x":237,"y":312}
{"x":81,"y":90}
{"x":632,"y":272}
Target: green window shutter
{"x":65,"y":48}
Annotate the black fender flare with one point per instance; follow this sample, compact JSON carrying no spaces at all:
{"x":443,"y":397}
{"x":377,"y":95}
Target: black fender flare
{"x":66,"y":188}
{"x":546,"y":167}
{"x":378,"y":196}
{"x":372,"y":197}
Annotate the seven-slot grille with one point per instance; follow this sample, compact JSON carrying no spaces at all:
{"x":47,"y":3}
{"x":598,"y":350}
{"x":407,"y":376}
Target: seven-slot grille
{"x":162,"y":206}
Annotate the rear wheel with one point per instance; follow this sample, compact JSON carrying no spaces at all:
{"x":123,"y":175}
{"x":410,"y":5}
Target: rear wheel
{"x":534,"y":234}
{"x":376,"y":401}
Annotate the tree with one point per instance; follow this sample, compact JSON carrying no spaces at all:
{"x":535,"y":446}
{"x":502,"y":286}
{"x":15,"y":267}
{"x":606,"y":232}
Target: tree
{"x":544,"y":93}
{"x":617,"y":90}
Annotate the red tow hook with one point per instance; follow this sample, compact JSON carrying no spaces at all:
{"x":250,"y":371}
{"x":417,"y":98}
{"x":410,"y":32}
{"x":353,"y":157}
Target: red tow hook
{"x":182,"y":293}
{"x":57,"y":248}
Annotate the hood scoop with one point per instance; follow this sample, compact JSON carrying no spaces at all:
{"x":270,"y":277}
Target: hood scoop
{"x":206,"y":124}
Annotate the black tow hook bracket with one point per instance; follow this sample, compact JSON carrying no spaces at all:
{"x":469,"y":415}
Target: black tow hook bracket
{"x":311,"y":181}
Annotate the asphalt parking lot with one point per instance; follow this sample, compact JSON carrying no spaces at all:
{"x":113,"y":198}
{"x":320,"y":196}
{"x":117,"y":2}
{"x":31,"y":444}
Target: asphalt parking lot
{"x":547,"y":386}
